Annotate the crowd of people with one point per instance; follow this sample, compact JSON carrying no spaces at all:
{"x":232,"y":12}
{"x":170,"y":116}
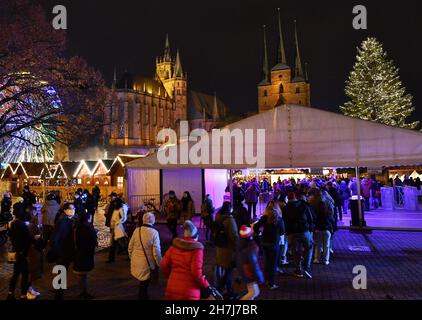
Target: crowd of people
{"x":64,"y":235}
{"x":297,"y":228}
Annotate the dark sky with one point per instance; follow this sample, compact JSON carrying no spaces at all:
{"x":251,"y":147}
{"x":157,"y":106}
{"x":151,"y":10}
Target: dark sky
{"x":220,"y":42}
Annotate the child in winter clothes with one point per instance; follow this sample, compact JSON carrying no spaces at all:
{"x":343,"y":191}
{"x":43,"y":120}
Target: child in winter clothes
{"x":248,"y":261}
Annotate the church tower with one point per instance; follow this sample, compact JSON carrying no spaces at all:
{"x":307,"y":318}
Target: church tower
{"x":282,"y":85}
{"x":170,"y":72}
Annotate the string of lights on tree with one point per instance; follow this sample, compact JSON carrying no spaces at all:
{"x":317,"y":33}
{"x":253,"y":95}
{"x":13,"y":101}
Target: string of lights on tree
{"x":375,"y":90}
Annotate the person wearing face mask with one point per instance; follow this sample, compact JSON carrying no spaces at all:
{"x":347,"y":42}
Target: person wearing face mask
{"x":63,"y":242}
{"x":188,"y":208}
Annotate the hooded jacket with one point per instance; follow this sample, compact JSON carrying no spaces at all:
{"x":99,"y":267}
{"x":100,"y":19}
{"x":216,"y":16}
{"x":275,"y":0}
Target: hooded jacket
{"x":182,"y":265}
{"x":297,"y":216}
{"x":49,"y":212}
{"x":226,"y":257}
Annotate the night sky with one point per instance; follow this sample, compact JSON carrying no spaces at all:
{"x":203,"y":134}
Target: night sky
{"x":220,"y":42}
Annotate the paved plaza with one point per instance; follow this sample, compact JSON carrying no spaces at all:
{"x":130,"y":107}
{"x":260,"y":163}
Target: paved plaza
{"x":393,"y":260}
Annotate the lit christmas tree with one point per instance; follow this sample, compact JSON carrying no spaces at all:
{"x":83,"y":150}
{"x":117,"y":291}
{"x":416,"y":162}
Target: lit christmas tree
{"x":375,"y":90}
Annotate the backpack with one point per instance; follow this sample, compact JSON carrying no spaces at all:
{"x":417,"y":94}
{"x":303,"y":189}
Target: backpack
{"x":219,"y":236}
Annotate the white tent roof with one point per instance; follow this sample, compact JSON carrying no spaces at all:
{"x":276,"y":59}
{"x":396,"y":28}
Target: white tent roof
{"x":303,"y":137}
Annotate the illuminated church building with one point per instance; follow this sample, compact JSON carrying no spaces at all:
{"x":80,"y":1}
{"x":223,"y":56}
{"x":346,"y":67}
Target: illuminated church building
{"x":283,"y":85}
{"x":147,"y":105}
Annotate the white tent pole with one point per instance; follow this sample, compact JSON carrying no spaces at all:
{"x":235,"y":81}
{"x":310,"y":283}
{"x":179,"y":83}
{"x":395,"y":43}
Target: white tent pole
{"x":359,"y":196}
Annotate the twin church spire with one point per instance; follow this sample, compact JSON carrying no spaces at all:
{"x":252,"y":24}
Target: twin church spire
{"x":282,"y":59}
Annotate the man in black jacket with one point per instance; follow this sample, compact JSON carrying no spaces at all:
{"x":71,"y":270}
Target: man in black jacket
{"x":63,"y":240}
{"x":29,"y":198}
{"x":299,"y":223}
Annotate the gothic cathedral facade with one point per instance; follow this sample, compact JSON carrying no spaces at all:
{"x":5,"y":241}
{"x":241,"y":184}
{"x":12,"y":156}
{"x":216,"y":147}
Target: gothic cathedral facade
{"x":283,"y":85}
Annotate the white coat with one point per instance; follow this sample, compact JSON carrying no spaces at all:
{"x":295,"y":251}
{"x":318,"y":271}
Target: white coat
{"x":118,"y":218}
{"x":138,"y":263}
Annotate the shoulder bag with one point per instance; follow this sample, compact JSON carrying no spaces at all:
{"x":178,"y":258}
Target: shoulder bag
{"x":153,"y":273}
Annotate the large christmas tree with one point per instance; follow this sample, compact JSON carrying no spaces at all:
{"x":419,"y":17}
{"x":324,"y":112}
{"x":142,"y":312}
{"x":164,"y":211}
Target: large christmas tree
{"x":375,"y":90}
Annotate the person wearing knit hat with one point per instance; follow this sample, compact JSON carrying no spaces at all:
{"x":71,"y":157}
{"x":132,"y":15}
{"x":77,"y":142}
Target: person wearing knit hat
{"x":250,"y":269}
{"x":245,"y":232}
{"x":182,"y":266}
{"x":190,"y":231}
{"x":145,"y":254}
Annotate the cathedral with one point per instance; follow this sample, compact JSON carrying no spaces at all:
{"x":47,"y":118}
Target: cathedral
{"x":283,"y":85}
{"x":144,"y":106}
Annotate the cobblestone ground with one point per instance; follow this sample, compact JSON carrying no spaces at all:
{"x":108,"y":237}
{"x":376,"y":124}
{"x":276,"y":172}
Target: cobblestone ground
{"x":393,"y":260}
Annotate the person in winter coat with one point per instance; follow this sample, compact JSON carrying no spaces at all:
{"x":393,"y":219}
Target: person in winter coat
{"x":29,"y":198}
{"x":118,"y":233}
{"x":35,"y":252}
{"x":110,"y":208}
{"x":273,"y":228}
{"x":353,"y":186}
{"x":238,"y":193}
{"x":188,"y":207}
{"x":89,"y":204}
{"x":85,"y":244}
{"x":96,"y":194}
{"x":145,"y":253}
{"x":334,"y":194}
{"x":21,"y":241}
{"x":299,"y":223}
{"x":79,"y":203}
{"x":49,"y":212}
{"x":344,"y":195}
{"x":6,"y":208}
{"x":249,"y":267}
{"x":63,"y":240}
{"x":207,"y":215}
{"x":240,"y":214}
{"x":323,"y":228}
{"x":366,"y":187}
{"x":251,"y":198}
{"x":182,"y":265}
{"x":226,"y":254}
{"x":172,"y":208}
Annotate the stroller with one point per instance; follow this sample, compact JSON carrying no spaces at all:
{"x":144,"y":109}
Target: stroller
{"x":211,"y":293}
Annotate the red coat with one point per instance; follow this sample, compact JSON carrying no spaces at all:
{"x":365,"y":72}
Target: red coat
{"x":182,"y":265}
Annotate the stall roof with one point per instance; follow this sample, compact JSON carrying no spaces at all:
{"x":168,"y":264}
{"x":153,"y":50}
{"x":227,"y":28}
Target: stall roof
{"x":9,"y":170}
{"x":104,"y":164}
{"x":301,"y":137}
{"x":69,"y":168}
{"x":122,"y":159}
{"x":34,"y":169}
